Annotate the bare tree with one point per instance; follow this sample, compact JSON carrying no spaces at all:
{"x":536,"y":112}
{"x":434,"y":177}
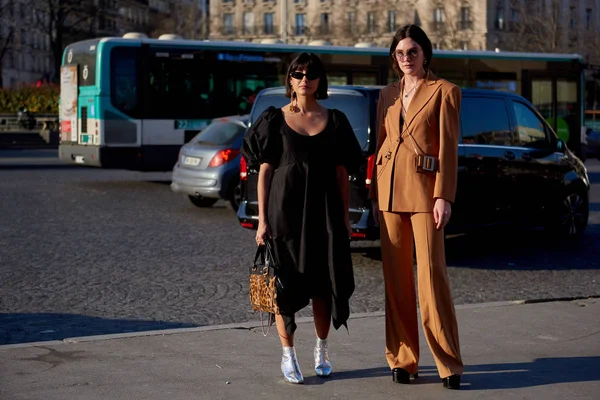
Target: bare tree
{"x":318,"y":26}
{"x":188,"y":19}
{"x":64,"y":21}
{"x":452,"y":24}
{"x":539,"y":26}
{"x":7,"y":33}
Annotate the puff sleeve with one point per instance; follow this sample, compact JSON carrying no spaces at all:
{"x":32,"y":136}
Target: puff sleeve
{"x":261,"y":143}
{"x":350,"y":153}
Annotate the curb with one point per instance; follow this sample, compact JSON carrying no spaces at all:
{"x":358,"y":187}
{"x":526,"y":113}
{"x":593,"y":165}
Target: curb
{"x":251,"y":325}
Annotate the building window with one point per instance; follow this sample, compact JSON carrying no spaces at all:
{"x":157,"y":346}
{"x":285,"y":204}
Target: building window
{"x":514,"y":15}
{"x":391,"y":21}
{"x":370,"y":22}
{"x":248,"y":23}
{"x":499,"y":22}
{"x":268,"y":23}
{"x":438,"y":18}
{"x":465,"y":18}
{"x":573,"y":18}
{"x":324,"y":23}
{"x":300,"y":28}
{"x":351,"y":18}
{"x":588,"y":19}
{"x":227,"y":24}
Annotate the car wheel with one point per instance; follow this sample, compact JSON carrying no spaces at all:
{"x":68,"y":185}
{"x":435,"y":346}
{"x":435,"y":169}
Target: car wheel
{"x":236,"y":197}
{"x":202,"y":201}
{"x":571,"y":215}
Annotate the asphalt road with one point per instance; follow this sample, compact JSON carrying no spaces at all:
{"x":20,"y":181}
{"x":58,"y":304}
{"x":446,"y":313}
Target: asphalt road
{"x":87,"y":251}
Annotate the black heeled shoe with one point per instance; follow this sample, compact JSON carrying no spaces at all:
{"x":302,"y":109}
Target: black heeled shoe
{"x":452,"y":382}
{"x":400,"y":375}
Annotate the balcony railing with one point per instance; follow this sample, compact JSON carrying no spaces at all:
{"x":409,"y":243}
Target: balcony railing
{"x":299,"y":30}
{"x":249,"y":30}
{"x":464,"y":25}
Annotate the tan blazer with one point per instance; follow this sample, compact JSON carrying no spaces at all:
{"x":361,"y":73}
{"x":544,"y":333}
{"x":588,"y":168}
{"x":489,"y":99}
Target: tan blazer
{"x":433,"y":121}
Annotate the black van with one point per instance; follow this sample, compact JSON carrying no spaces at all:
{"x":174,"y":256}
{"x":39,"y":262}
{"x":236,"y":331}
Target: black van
{"x":512,"y":167}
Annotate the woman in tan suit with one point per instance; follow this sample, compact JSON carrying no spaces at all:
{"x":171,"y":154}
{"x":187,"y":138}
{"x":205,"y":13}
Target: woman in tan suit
{"x":414,"y":187}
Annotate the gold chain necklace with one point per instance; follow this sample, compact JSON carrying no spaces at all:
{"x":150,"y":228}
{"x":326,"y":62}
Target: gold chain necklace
{"x":411,"y":90}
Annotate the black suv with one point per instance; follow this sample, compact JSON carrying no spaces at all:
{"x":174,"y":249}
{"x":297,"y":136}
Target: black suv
{"x":512,"y":166}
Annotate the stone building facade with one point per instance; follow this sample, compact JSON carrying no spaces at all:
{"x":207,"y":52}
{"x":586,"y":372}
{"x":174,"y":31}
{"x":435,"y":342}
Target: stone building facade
{"x":568,"y":26}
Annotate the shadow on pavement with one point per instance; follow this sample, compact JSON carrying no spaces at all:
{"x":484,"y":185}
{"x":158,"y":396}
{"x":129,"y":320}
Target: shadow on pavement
{"x":540,"y":372}
{"x":29,"y":167}
{"x":39,"y":327}
{"x":164,"y":182}
{"x":343,"y":375}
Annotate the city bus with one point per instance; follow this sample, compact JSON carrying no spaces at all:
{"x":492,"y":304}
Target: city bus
{"x":132,"y":102}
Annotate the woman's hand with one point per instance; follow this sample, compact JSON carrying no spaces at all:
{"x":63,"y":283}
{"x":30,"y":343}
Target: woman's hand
{"x":442,"y":209}
{"x":261,"y":233}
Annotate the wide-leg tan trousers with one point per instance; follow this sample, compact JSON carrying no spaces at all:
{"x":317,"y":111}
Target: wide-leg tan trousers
{"x":435,"y":300}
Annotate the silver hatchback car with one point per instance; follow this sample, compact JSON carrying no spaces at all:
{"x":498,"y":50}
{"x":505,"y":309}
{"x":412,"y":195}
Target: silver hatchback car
{"x":208,"y":167}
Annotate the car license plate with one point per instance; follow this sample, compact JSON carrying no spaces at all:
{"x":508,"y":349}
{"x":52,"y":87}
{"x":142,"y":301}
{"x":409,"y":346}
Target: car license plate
{"x":193,"y":161}
{"x":79,"y":159}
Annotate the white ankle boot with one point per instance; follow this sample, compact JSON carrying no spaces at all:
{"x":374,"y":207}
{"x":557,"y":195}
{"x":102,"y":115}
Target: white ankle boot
{"x":290,"y":367}
{"x":322,"y":363}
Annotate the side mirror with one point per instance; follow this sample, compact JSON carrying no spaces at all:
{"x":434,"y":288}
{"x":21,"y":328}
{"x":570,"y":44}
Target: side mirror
{"x":561,"y":147}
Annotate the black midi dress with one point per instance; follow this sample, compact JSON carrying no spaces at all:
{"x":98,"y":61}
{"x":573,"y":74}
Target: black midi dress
{"x":305,"y":210}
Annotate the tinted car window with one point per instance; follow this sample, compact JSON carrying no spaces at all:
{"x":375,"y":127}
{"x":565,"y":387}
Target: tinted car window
{"x":220,"y":133}
{"x":531,"y":130}
{"x":355,"y":107}
{"x":485,"y":121}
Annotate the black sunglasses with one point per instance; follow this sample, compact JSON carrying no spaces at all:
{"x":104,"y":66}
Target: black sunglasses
{"x":300,"y":75}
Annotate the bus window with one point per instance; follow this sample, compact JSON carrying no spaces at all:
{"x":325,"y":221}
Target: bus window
{"x":176,"y":87}
{"x":567,"y":118}
{"x":124,"y":80}
{"x":337,"y":78}
{"x":541,"y":98}
{"x":364,"y":78}
{"x":248,"y":86}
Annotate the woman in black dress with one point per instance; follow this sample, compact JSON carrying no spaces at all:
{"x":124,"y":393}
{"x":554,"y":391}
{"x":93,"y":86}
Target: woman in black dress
{"x":304,"y":153}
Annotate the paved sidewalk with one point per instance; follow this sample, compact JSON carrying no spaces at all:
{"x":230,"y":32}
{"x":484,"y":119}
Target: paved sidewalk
{"x":511,"y":351}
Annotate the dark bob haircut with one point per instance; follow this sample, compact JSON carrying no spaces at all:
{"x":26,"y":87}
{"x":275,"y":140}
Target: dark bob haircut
{"x":312,"y":63}
{"x":418,"y":35}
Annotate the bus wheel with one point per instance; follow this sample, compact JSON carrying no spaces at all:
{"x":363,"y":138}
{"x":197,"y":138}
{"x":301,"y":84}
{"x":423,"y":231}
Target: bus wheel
{"x":202,"y":201}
